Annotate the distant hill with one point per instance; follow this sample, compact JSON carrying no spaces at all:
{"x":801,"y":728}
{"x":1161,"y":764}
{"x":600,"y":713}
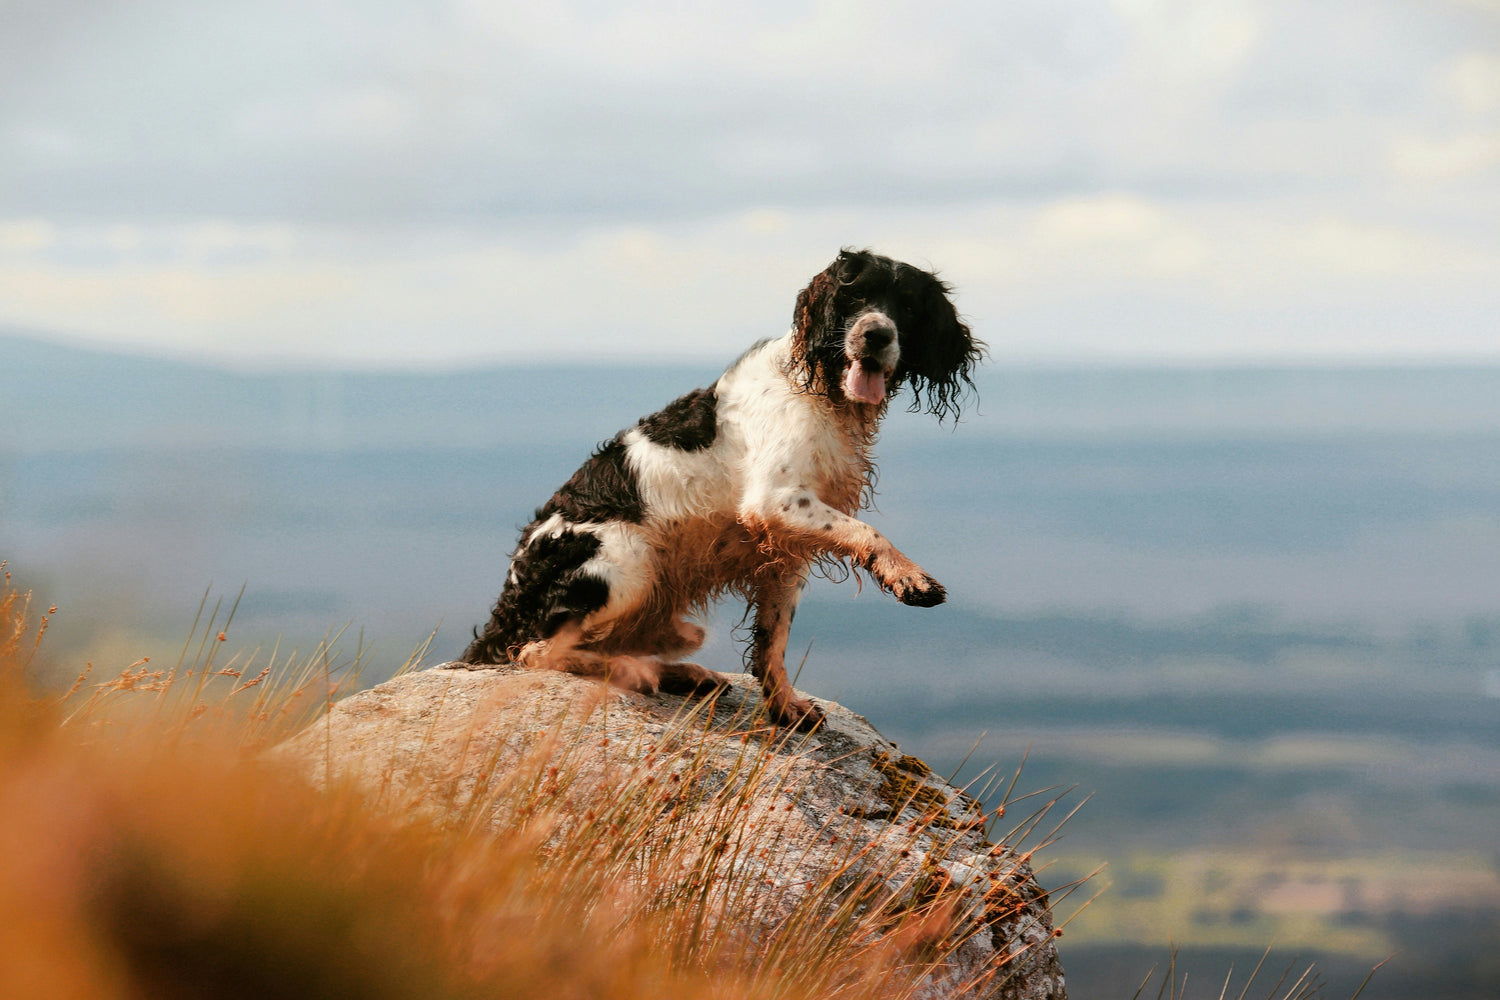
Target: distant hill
{"x":66,"y":398}
{"x":59,"y":397}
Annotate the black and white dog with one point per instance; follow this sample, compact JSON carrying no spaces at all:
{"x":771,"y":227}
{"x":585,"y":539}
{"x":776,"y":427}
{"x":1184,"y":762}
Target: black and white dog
{"x":739,"y":488}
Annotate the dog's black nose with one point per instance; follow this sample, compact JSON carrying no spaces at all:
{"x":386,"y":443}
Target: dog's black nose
{"x":877,"y":337}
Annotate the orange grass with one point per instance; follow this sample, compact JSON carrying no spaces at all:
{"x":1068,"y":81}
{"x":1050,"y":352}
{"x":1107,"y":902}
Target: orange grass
{"x":153,"y":849}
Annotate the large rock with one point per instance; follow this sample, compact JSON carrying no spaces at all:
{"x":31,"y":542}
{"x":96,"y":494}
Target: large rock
{"x":841,"y":814}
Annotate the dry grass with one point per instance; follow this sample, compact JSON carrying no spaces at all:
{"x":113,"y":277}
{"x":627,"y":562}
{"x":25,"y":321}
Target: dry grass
{"x":1295,"y":982}
{"x":152,"y":848}
{"x":155,"y":850}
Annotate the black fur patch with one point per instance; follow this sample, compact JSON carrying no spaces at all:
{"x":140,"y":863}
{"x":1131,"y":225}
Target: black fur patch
{"x":603,"y":489}
{"x":547,"y":592}
{"x":689,"y":423}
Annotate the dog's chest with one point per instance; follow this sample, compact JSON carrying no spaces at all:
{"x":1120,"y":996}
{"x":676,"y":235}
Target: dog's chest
{"x":830,"y":460}
{"x":781,"y":438}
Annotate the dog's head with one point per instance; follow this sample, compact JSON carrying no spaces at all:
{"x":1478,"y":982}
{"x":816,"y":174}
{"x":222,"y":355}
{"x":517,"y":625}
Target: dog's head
{"x":868,"y":325}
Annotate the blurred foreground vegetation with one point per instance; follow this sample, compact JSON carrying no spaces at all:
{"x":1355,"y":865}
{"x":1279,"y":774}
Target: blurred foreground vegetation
{"x":154,"y":848}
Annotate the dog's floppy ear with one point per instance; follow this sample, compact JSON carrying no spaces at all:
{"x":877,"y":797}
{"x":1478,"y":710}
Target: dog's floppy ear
{"x":939,"y":361}
{"x":819,"y":344}
{"x":815,"y":312}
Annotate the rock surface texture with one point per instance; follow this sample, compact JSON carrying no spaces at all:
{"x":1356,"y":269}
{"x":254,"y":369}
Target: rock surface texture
{"x":841,"y":814}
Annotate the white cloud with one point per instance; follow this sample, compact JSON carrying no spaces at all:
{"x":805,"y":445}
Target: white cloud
{"x":1120,"y":235}
{"x":1195,"y":43}
{"x":1445,"y":159}
{"x":26,"y":235}
{"x":1337,"y":248}
{"x":1472,"y":80}
{"x":329,"y":179}
{"x":358,"y":116}
{"x":1112,"y":275}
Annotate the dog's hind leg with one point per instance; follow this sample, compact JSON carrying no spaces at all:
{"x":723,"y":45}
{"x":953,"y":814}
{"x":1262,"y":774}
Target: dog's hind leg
{"x":663,"y":638}
{"x":567,"y":650}
{"x":678,"y":677}
{"x":562,"y":651}
{"x":691,"y":679}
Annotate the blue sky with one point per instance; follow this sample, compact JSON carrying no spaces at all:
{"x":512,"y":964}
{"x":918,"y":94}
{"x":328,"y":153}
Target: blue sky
{"x":394,"y":184}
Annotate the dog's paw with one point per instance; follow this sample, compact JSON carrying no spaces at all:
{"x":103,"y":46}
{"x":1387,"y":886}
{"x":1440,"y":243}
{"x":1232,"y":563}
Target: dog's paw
{"x":692,"y":634}
{"x":634,"y":673}
{"x":905,"y":580}
{"x":691,"y":679}
{"x":796,"y":713}
{"x":919,"y":590}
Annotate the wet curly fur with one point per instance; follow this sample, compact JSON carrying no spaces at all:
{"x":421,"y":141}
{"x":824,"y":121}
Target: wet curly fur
{"x":740,"y":488}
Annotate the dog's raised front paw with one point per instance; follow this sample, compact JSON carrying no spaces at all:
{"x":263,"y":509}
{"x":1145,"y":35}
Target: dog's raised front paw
{"x":919,"y":591}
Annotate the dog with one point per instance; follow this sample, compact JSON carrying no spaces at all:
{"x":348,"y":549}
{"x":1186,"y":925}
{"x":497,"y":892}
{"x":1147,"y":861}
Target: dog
{"x":741,"y":488}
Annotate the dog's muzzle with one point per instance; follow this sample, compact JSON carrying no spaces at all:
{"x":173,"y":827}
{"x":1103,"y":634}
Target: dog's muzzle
{"x":872,"y":351}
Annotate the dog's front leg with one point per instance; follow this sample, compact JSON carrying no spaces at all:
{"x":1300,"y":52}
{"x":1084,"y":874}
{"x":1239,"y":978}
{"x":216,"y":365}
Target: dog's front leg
{"x":825,"y":529}
{"x":775,"y":602}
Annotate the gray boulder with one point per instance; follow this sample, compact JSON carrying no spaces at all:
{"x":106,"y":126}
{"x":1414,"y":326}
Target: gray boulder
{"x":839,"y":820}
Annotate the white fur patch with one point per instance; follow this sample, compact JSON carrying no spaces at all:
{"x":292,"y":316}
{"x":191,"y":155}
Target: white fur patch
{"x":785,"y":437}
{"x":624,"y":561}
{"x":675,"y":484}
{"x":553,"y":527}
{"x":769,"y":437}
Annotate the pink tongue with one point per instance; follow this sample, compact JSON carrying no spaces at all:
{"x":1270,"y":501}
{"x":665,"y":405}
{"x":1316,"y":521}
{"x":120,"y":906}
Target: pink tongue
{"x":866,"y":387}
